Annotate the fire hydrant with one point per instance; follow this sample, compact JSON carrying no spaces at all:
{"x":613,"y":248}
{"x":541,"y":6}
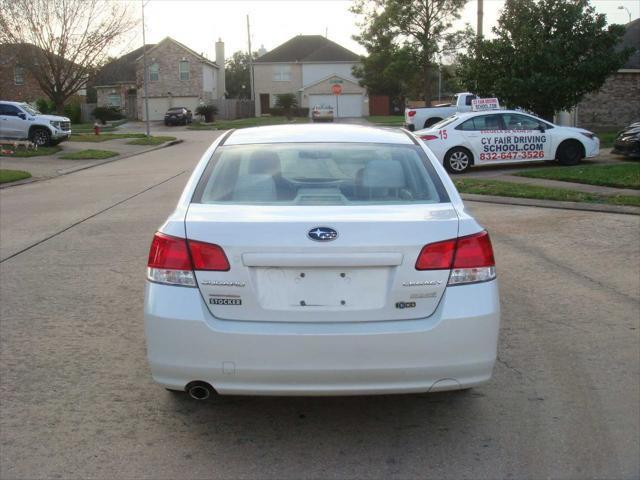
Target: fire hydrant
{"x":96,"y":128}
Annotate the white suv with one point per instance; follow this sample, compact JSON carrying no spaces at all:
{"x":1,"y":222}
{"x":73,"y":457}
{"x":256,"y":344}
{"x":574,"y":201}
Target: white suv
{"x":21,"y":121}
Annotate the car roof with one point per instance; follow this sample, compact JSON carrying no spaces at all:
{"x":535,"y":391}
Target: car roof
{"x":8,"y":102}
{"x":310,"y":133}
{"x":488,"y":112}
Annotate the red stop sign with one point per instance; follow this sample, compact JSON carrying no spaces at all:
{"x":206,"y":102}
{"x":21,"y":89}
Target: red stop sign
{"x":336,"y":88}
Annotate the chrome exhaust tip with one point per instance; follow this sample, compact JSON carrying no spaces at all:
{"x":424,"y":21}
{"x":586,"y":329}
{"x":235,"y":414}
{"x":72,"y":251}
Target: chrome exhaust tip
{"x":199,"y":390}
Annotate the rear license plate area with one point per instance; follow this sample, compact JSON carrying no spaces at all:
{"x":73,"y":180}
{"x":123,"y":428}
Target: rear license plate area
{"x":322,"y":288}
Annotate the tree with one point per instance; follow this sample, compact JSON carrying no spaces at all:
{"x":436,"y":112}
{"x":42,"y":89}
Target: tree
{"x":546,"y":56}
{"x":287,"y":102}
{"x":62,"y":42}
{"x":237,"y":75}
{"x":405,"y":38}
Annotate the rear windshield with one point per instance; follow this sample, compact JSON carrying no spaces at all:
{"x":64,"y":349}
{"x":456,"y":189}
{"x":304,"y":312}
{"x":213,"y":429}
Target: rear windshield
{"x":319,"y":174}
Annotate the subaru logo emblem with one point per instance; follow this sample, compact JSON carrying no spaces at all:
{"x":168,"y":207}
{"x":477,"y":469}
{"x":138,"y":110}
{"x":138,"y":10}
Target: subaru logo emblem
{"x":322,"y":234}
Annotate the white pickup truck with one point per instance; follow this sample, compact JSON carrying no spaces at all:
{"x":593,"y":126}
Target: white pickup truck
{"x":20,"y":121}
{"x":424,"y":117}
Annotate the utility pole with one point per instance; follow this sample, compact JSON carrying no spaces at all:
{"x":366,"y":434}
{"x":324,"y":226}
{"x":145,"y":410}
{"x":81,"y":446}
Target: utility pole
{"x":145,"y":75}
{"x":251,"y":92}
{"x":480,"y":15}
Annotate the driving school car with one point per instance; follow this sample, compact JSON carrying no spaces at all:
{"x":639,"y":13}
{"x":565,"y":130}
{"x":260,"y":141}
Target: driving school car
{"x":505,"y":136}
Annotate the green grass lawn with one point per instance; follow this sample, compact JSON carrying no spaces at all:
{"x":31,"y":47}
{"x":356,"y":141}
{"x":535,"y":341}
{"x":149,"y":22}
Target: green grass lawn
{"x":90,"y":137}
{"x":387,"y":120}
{"x":150,"y":140}
{"x":88,"y":128}
{"x":519,"y":190}
{"x":23,"y":153}
{"x":607,"y":139}
{"x":247,"y":122}
{"x":7,"y":176}
{"x":89,"y":154}
{"x":621,"y":175}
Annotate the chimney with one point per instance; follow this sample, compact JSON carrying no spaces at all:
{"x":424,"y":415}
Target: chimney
{"x":220,"y":87}
{"x":262,"y":50}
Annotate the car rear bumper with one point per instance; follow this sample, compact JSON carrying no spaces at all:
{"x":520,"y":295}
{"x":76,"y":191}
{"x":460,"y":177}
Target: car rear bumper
{"x":451,"y":349}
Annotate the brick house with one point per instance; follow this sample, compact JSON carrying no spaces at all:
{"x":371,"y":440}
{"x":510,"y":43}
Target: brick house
{"x":617,"y":103}
{"x":177,"y":76}
{"x":309,"y":66}
{"x":16,"y":82}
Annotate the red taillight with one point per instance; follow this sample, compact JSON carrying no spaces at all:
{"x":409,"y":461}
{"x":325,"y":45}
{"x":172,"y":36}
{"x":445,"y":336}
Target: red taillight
{"x":473,"y":251}
{"x":207,"y":256}
{"x":172,"y":253}
{"x":169,"y":253}
{"x":411,"y":113}
{"x":436,"y":256}
{"x":429,"y":137}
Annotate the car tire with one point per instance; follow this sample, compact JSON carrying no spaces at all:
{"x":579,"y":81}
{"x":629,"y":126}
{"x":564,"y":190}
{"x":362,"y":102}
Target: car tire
{"x":40,"y":136}
{"x":431,"y":121}
{"x":458,"y":160}
{"x":570,"y":152}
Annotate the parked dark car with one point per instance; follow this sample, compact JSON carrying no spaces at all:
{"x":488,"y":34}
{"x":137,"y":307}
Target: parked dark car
{"x":628,"y":141}
{"x":178,"y":116}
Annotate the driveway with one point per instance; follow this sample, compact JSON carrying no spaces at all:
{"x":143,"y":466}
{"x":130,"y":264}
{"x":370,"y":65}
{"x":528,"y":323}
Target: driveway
{"x":76,"y":398}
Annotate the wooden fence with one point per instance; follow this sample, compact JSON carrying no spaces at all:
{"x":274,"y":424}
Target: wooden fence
{"x":232,"y":108}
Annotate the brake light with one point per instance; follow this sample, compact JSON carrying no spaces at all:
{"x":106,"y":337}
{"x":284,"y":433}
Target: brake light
{"x":474,"y":251}
{"x":169,"y":253}
{"x":429,"y":137}
{"x":436,"y":256}
{"x":207,"y":256}
{"x":172,"y":260}
{"x":470,"y":258}
{"x":411,"y":113}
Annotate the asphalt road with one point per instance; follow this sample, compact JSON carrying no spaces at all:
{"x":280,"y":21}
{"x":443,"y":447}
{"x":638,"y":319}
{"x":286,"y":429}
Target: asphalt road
{"x":77,"y":400}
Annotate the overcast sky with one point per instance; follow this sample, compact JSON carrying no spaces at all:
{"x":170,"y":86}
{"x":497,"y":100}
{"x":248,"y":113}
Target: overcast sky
{"x":199,"y":23}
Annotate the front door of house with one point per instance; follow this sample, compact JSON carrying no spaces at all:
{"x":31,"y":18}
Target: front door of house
{"x":264,"y":103}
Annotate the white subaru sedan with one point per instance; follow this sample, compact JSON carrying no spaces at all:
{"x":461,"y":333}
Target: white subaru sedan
{"x":320,"y":260}
{"x":505,"y":136}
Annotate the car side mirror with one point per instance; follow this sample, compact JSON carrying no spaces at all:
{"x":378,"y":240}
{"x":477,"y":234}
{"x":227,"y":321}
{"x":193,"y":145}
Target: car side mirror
{"x":542,"y":128}
{"x":23,"y":116}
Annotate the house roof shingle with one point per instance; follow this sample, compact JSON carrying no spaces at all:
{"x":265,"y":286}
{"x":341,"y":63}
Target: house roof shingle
{"x":120,"y":70}
{"x":631,"y":39}
{"x":308,"y":48}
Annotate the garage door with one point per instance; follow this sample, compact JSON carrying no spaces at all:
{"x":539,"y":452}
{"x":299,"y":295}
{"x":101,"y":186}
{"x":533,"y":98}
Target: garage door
{"x":347,"y":105}
{"x":159,"y":106}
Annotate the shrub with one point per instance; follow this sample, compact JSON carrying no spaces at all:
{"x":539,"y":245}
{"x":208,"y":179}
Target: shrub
{"x":73,"y":112}
{"x":45,"y":106}
{"x":105,"y":114}
{"x":208,"y":111}
{"x":287,"y":102}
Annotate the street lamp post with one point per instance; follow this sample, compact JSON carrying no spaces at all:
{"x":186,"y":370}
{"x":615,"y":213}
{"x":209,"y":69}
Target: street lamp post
{"x":622,"y":7}
{"x":145,"y":75}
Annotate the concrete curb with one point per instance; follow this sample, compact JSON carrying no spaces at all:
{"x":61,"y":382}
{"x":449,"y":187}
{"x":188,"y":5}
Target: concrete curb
{"x":530,"y":202}
{"x":67,"y":171}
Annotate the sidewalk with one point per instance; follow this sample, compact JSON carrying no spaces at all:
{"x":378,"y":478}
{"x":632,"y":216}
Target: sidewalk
{"x":49,"y":166}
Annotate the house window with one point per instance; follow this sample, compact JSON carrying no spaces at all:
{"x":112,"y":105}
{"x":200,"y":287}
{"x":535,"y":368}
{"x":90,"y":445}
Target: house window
{"x":154,"y":72}
{"x":282,"y":73}
{"x":18,"y":75}
{"x":184,"y":70}
{"x":113,"y":100}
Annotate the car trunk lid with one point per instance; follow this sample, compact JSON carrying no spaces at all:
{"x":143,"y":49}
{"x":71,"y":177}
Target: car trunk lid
{"x":278,"y":273}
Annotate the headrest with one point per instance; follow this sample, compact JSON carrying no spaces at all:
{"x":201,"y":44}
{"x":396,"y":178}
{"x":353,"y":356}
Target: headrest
{"x":255,"y":188}
{"x":383,"y":174}
{"x":264,"y":162}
